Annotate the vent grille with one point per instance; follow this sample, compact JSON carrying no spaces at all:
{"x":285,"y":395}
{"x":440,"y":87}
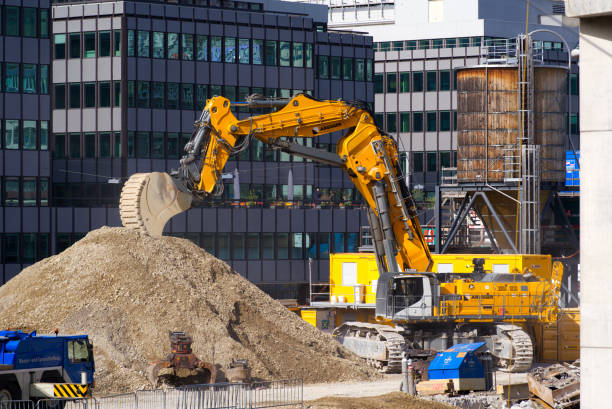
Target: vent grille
{"x":558,"y":7}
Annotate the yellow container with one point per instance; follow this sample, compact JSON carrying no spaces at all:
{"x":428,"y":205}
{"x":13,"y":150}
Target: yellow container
{"x":353,"y":274}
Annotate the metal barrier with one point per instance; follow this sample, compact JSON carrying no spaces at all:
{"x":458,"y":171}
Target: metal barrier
{"x":257,"y":395}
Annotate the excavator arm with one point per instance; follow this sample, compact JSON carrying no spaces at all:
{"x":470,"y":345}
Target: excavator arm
{"x":367,"y":155}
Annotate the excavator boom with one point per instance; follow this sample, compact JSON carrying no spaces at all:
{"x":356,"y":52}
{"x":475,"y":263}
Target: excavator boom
{"x":368,"y":156}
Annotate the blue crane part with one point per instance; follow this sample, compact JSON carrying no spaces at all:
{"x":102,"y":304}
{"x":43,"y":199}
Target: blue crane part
{"x":44,"y":366}
{"x":461,"y":365}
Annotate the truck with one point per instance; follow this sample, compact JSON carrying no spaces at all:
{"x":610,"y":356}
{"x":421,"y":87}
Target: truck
{"x":416,"y":308}
{"x":34,"y":367}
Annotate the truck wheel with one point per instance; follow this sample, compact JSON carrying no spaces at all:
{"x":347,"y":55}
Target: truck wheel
{"x":9,"y":391}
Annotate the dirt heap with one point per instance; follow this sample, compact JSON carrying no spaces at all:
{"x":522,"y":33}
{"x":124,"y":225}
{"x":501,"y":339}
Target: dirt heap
{"x":126,"y":290}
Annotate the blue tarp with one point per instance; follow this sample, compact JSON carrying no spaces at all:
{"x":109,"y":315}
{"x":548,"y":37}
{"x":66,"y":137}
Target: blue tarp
{"x":457,"y":362}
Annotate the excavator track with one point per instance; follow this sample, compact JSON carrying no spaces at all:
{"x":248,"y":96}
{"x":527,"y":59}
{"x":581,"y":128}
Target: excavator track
{"x":149,"y":200}
{"x":380,"y":345}
{"x":521,"y":346}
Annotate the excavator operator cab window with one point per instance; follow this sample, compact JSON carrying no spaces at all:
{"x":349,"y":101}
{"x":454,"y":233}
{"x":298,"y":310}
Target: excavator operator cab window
{"x":79,"y":351}
{"x":407,"y":290}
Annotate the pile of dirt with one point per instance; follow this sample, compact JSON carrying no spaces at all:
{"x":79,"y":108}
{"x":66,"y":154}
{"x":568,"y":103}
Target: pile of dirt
{"x":126,"y":290}
{"x":395,"y":400}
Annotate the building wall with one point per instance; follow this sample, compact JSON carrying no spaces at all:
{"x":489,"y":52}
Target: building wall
{"x":105,"y":127}
{"x":25,"y":222}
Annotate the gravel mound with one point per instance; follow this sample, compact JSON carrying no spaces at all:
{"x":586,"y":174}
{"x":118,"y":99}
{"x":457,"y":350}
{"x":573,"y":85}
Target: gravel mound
{"x":126,"y":290}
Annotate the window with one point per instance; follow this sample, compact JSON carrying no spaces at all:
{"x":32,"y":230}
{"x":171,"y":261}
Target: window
{"x":230,"y":49}
{"x":43,"y":23}
{"x":131,"y":148}
{"x":77,"y":351}
{"x":173,"y":46}
{"x":29,"y":134}
{"x":11,"y":27}
{"x":142,"y":144}
{"x":360,"y":69}
{"x":431,"y":162}
{"x":438,"y":43}
{"x":378,"y":83}
{"x":131,"y":41}
{"x":237,"y":246}
{"x":158,"y":95}
{"x":404,"y":121}
{"x":271,"y":52}
{"x":104,"y":97}
{"x":131,"y":94}
{"x":432,"y":77}
{"x":451,"y":43}
{"x":60,"y":96}
{"x":44,"y":135}
{"x":282,"y":246}
{"x":258,"y":52}
{"x":104,"y":49}
{"x":104,"y":145}
{"x":59,"y":45}
{"x":187,"y":96}
{"x":347,"y":69}
{"x":476,"y":41}
{"x":11,"y":192}
{"x":11,"y":134}
{"x":445,"y":80}
{"x":445,"y":121}
{"x":243,"y":51}
{"x":323,"y":66}
{"x":574,"y":84}
{"x":417,"y":122}
{"x":391,"y":122}
{"x":455,"y":79}
{"x":323,"y":245}
{"x":117,"y":147}
{"x":445,"y":159}
{"x":574,"y":125}
{"x":29,"y":241}
{"x":44,"y":79}
{"x":336,"y":68}
{"x":117,"y":93}
{"x":29,"y":192}
{"x":29,"y":21}
{"x":417,"y":161}
{"x":74,"y":95}
{"x":158,"y":145}
{"x":75,"y":45}
{"x":253,"y":246}
{"x":29,"y":78}
{"x":74,"y":146}
{"x":89,"y":142}
{"x":187,"y":45}
{"x":298,"y":55}
{"x":173,"y":95}
{"x":144,"y":96}
{"x":201,"y":47}
{"x":369,"y":69}
{"x":417,"y":81}
{"x":11,"y":79}
{"x":384,"y":46}
{"x":216,"y":49}
{"x":285,"y":54}
{"x":423,"y":44}
{"x":59,"y":147}
{"x":404,"y":82}
{"x":268,"y":246}
{"x":464,"y":42}
{"x":89,"y":44}
{"x":172,"y":148}
{"x":379,"y":119}
{"x":391,"y":82}
{"x":89,"y":94}
{"x":431,"y":121}
{"x":308,"y":55}
{"x":143,"y":43}
{"x":117,"y":42}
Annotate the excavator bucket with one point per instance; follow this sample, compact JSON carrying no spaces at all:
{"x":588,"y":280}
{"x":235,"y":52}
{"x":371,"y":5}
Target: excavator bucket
{"x":149,"y":200}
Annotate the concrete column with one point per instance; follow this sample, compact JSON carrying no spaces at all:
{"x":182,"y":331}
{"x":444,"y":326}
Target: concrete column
{"x":595,"y":199}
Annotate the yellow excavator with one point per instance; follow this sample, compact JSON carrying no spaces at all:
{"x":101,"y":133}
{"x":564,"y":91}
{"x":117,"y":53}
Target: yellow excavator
{"x":426,"y":310}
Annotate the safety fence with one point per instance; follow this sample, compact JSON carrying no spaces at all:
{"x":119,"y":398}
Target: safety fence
{"x":256,"y":395}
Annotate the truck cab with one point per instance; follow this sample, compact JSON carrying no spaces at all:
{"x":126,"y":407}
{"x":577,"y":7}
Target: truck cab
{"x":44,"y":366}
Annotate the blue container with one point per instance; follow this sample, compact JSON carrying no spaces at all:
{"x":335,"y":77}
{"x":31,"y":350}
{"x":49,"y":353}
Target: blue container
{"x":458,"y":362}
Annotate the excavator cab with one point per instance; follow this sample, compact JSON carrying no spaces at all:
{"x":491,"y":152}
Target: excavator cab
{"x":407,"y":297}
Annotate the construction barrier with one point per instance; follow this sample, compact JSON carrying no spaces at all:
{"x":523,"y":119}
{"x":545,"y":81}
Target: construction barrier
{"x":257,"y":395}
